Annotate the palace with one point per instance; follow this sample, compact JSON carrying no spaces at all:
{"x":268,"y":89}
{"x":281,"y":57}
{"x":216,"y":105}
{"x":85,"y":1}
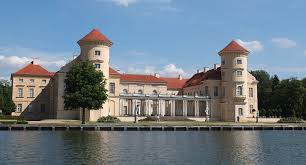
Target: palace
{"x":225,"y":92}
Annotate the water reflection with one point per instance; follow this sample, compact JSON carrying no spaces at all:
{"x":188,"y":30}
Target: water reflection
{"x":220,"y":147}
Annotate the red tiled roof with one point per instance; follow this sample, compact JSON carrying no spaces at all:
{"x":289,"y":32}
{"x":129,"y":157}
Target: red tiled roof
{"x":213,"y":74}
{"x":233,"y":47}
{"x":95,"y":35}
{"x":141,"y":78}
{"x":35,"y":70}
{"x":113,"y":72}
{"x":174,"y":83}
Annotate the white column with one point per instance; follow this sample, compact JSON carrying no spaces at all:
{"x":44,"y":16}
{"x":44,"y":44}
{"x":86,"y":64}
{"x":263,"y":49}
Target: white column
{"x":196,"y":108}
{"x":207,"y":111}
{"x":133,"y":107}
{"x":120,"y":106}
{"x":147,"y":108}
{"x":162,"y":107}
{"x":172,"y":112}
{"x":184,"y":107}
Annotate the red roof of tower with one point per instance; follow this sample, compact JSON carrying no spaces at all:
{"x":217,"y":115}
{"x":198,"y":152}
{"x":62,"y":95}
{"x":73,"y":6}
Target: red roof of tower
{"x":233,"y":46}
{"x":95,"y":35}
{"x":34,"y":70}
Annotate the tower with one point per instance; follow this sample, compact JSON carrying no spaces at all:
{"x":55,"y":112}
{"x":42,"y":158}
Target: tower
{"x":234,"y":75}
{"x":95,"y":48}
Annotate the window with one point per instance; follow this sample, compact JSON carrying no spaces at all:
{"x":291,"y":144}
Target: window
{"x":206,"y":91}
{"x":125,"y":91}
{"x":216,"y":91}
{"x":251,"y":108}
{"x":223,"y":91}
{"x":43,"y":93}
{"x":43,"y":81}
{"x":251,"y":92}
{"x":112,"y":87}
{"x":140,"y":91}
{"x":97,"y":65}
{"x":239,"y":91}
{"x":98,"y":52}
{"x":20,"y":80}
{"x":239,"y":73}
{"x":19,"y":108}
{"x":30,"y":109}
{"x":32,"y":81}
{"x":223,"y":62}
{"x":31,"y":92}
{"x":42,"y":108}
{"x":240,"y":111}
{"x":154,"y":92}
{"x":239,"y":61}
{"x":20,"y":92}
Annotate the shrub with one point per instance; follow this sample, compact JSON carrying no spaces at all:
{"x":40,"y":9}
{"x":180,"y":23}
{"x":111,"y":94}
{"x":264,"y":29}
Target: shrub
{"x":166,"y":118}
{"x":22,"y":122}
{"x":8,"y":117}
{"x":108,"y":119}
{"x":291,"y":120}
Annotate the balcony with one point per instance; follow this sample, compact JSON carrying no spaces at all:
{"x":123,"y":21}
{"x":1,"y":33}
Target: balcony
{"x":239,"y":98}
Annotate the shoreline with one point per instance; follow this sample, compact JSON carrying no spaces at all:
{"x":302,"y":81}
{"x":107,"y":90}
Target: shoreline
{"x":112,"y":127}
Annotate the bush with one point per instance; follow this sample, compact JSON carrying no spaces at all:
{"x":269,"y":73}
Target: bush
{"x":22,"y":122}
{"x":166,"y":118}
{"x":108,"y":119}
{"x":291,"y":120}
{"x":8,"y":117}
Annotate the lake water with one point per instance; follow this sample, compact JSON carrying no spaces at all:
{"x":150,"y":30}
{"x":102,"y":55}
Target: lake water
{"x":200,"y":147}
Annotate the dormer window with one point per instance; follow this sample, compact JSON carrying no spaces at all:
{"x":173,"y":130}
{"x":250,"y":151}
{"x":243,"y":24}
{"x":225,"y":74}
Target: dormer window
{"x":239,"y":61}
{"x":97,"y":52}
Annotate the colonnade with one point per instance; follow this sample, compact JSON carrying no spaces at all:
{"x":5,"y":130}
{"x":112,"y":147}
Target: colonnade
{"x":165,"y":106}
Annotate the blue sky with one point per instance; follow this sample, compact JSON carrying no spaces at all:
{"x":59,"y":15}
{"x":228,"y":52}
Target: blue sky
{"x":166,"y":36}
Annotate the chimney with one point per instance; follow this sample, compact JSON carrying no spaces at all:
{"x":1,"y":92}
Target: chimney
{"x":34,"y":61}
{"x":198,"y":71}
{"x":216,"y":66}
{"x":156,"y":75}
{"x":180,"y":77}
{"x":205,"y":69}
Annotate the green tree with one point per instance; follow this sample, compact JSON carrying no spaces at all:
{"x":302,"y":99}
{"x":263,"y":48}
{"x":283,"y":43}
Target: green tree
{"x":6,"y":104}
{"x":289,"y":98}
{"x":264,"y":90}
{"x":85,"y":88}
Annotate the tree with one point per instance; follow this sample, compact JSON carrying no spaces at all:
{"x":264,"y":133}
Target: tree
{"x":6,"y":104}
{"x":289,"y":97}
{"x":264,"y":90}
{"x":85,"y":88}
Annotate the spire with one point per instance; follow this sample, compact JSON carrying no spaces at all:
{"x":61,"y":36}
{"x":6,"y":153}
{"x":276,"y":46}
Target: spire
{"x":234,"y":46}
{"x":95,"y":36}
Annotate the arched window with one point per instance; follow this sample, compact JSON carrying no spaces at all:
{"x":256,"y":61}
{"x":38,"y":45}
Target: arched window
{"x":124,"y":91}
{"x":239,"y":90}
{"x":140,"y":91}
{"x":154,"y":92}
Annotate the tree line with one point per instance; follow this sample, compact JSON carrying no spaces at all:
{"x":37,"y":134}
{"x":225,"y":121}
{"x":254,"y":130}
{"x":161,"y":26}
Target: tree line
{"x":285,"y":98}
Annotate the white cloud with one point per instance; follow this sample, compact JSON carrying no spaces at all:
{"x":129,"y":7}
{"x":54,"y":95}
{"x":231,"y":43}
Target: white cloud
{"x":169,"y":70}
{"x":127,"y":3}
{"x":13,"y":58}
{"x":254,"y":46}
{"x":284,"y":42}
